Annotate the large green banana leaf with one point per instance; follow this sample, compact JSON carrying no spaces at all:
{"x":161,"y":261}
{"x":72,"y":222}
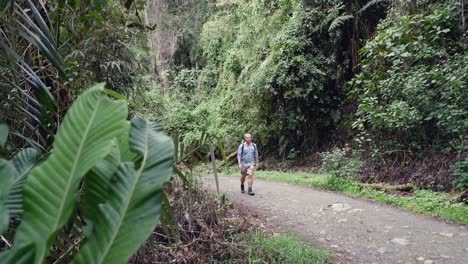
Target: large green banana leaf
{"x":84,"y":138}
{"x":134,"y":205}
{"x":24,"y":254}
{"x":126,"y":154}
{"x":97,"y":183}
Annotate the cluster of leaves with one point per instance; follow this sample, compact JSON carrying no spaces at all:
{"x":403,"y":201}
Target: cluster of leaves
{"x":412,"y":88}
{"x":296,"y":87}
{"x":267,"y":67}
{"x":283,"y":249}
{"x":29,"y":65}
{"x":460,"y":172}
{"x":341,"y":163}
{"x":115,"y":168}
{"x":279,"y":69}
{"x":111,"y":49}
{"x":50,"y":50}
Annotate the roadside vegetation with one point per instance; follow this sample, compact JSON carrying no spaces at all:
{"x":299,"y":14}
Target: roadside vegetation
{"x":213,"y":230}
{"x":282,"y":249}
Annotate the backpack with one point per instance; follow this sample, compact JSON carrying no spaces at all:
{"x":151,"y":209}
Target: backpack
{"x":242,"y":151}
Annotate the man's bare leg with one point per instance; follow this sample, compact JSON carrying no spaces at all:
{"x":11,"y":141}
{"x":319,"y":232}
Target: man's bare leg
{"x":250,"y":182}
{"x":242,"y":182}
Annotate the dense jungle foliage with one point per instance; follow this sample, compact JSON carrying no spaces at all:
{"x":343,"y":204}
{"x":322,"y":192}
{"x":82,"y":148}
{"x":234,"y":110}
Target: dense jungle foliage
{"x":76,"y":176}
{"x":51,"y":52}
{"x":387,"y":78}
{"x":370,"y":90}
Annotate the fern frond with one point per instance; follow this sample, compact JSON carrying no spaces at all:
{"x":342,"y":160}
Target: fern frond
{"x":339,"y":21}
{"x":371,"y":3}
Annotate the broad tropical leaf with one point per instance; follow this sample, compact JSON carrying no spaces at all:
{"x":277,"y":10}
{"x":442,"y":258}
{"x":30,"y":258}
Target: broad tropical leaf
{"x":126,"y":154}
{"x":3,"y":134}
{"x":24,"y":255}
{"x":135,"y":199}
{"x":84,"y":138}
{"x":97,"y":183}
{"x":23,"y":163}
{"x":7,"y":179}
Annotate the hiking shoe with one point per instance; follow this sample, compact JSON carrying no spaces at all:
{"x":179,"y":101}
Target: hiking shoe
{"x":242,"y":191}
{"x":250,"y":192}
{"x":242,"y":188}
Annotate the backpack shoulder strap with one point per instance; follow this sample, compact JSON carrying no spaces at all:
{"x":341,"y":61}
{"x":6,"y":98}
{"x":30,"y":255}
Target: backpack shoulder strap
{"x":242,"y":148}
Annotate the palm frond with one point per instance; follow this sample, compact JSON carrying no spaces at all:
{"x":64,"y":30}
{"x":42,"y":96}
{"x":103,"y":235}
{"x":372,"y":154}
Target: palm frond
{"x":7,"y":178}
{"x":24,"y":161}
{"x":26,"y":31}
{"x":39,"y":34}
{"x":339,"y":21}
{"x":371,"y":3}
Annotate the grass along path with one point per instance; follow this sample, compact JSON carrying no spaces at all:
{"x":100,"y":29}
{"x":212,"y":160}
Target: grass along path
{"x":281,"y":248}
{"x":423,"y":201}
{"x":356,"y":231}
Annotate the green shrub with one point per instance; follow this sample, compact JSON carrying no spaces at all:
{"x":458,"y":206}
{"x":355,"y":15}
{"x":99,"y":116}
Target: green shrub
{"x":460,"y":172}
{"x":341,"y":163}
{"x":115,"y":168}
{"x":268,"y":68}
{"x":410,"y":90}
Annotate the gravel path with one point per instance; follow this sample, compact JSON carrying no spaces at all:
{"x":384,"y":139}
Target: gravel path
{"x":357,"y":231}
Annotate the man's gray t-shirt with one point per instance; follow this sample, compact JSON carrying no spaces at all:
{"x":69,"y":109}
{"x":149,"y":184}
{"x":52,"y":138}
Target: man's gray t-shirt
{"x":249,"y":156}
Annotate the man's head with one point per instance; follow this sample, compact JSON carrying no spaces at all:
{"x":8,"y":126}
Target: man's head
{"x":248,"y":138}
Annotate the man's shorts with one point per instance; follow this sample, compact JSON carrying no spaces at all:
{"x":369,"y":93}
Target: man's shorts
{"x":247,"y":170}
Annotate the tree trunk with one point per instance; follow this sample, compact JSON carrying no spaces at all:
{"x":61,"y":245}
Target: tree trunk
{"x":462,"y":15}
{"x":355,"y":43}
{"x":163,"y":38}
{"x":413,"y":6}
{"x":408,"y":7}
{"x":150,"y":44}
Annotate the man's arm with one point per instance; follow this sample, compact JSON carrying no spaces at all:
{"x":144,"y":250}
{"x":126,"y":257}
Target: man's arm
{"x":239,"y":156}
{"x":256,"y":158}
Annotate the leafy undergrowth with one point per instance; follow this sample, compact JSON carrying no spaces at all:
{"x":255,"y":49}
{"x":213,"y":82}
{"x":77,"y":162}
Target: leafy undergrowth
{"x":282,"y":249}
{"x":213,"y":230}
{"x":422,"y":201}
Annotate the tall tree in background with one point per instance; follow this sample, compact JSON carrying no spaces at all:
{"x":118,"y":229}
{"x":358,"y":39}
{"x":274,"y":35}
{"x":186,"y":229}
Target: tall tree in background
{"x":175,"y":38}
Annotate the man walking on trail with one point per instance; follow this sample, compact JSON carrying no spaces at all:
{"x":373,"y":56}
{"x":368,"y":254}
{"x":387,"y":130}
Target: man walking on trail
{"x":247,"y":157}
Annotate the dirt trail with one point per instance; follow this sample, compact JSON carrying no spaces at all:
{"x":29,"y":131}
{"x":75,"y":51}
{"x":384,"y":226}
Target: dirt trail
{"x":357,"y":231}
